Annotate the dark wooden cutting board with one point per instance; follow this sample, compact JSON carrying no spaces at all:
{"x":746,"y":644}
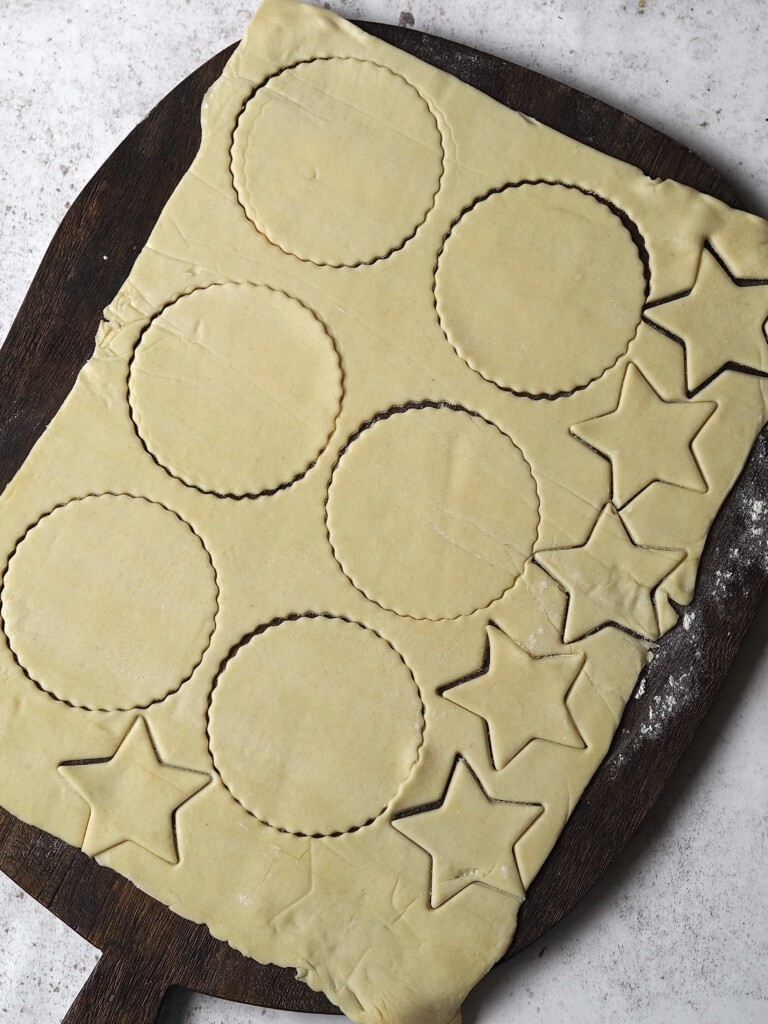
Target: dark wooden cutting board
{"x":146,"y":948}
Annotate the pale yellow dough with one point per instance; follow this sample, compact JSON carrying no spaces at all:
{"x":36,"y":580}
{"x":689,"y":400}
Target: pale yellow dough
{"x":287,"y":753}
{"x":472,"y":518}
{"x":326,"y":138}
{"x":68,"y":569}
{"x":523,"y":272}
{"x":325,"y":589}
{"x":235,"y":389}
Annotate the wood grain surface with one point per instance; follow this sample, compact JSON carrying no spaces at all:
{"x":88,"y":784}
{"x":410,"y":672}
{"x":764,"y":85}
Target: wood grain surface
{"x":146,"y":948}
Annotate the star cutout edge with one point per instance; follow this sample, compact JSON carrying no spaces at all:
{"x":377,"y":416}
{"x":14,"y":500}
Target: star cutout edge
{"x":458,"y":833}
{"x":703,"y":360}
{"x":645,"y":458}
{"x":519,"y":697}
{"x":610,"y":580}
{"x":133,"y":795}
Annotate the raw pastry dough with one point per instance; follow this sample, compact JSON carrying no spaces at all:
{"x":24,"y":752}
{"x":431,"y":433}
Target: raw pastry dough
{"x":540,"y":287}
{"x":285,"y":164}
{"x":132,"y":636}
{"x":235,"y":389}
{"x":287,"y":753}
{"x":383,"y":478}
{"x":472,"y":518}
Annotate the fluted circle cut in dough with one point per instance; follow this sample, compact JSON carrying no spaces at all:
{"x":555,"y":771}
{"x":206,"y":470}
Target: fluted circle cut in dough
{"x":432,"y":512}
{"x":540,"y":288}
{"x":314,"y":724}
{"x":109,"y":602}
{"x":235,"y":389}
{"x":337,"y":161}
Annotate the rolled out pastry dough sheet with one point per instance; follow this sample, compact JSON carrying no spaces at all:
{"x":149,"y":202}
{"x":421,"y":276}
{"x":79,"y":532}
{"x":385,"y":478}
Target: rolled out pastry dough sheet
{"x":325,"y":589}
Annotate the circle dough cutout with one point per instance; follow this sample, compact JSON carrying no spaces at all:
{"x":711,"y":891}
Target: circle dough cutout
{"x":110,"y":602}
{"x":314,"y":724}
{"x":540,"y":288}
{"x":351,"y":145}
{"x":235,"y":389}
{"x":432,"y":512}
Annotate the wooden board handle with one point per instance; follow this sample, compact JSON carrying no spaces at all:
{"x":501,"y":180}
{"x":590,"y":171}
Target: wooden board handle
{"x":120,"y":990}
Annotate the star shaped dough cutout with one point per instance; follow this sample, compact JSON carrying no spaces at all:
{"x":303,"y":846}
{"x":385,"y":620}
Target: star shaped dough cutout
{"x":610,"y":580}
{"x":647,"y":439}
{"x":721,"y":322}
{"x":470,"y":837}
{"x":521,"y":698}
{"x":133,"y":796}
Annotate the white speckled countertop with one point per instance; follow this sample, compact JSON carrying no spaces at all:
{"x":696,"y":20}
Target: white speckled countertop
{"x":678,"y":931}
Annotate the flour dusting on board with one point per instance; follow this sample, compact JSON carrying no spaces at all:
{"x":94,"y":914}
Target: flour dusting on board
{"x":679,"y":689}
